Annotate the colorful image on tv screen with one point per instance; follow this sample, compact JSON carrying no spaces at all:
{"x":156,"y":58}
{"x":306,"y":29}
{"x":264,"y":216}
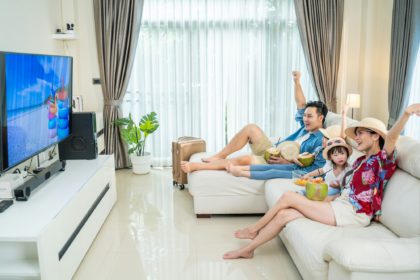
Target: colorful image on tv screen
{"x":37,"y":103}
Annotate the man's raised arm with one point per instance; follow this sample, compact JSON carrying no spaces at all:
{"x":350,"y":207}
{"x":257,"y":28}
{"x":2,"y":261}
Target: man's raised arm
{"x":299,"y":97}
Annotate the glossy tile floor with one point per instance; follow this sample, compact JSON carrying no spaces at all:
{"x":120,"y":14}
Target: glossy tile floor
{"x":152,"y":233}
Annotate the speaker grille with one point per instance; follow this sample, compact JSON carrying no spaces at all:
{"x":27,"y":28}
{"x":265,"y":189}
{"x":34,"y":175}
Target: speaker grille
{"x":78,"y":143}
{"x":82,"y":142}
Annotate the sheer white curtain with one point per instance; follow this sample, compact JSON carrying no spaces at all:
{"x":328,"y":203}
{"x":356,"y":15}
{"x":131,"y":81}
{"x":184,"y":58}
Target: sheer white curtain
{"x":413,"y":124}
{"x":210,"y":67}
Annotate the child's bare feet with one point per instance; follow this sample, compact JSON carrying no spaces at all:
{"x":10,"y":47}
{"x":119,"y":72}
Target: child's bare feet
{"x":187,"y":166}
{"x":238,"y":254}
{"x":211,"y":159}
{"x":245,"y":234}
{"x":229,"y":166}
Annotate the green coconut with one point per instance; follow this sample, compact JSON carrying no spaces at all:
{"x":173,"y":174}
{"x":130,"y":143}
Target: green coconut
{"x":316,"y":191}
{"x":306,"y":159}
{"x":271,"y":152}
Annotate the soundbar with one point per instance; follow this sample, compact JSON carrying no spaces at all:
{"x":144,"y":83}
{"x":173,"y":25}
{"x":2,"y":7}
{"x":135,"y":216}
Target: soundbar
{"x":23,"y":192}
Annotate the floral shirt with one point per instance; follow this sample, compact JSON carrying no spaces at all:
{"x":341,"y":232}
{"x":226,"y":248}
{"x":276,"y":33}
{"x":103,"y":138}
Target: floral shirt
{"x":370,"y":177}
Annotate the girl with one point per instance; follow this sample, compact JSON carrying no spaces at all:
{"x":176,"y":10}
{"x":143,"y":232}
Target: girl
{"x":359,"y":202}
{"x":336,"y":153}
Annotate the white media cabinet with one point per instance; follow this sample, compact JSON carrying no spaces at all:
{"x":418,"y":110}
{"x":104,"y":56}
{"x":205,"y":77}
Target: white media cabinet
{"x":47,"y":236}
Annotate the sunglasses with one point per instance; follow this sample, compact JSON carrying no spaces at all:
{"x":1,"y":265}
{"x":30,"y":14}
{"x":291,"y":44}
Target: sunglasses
{"x":329,"y":143}
{"x":358,"y":130}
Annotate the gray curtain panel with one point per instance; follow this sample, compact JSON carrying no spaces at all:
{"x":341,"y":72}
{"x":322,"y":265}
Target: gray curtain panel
{"x":117,"y":25}
{"x":404,"y":47}
{"x":320,"y":24}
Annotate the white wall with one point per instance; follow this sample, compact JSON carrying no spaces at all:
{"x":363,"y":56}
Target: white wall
{"x":84,"y":50}
{"x":27,"y":26}
{"x":365,"y":55}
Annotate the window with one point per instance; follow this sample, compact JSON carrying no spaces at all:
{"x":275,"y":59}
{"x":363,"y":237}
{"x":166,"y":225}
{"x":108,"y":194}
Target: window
{"x":210,"y":67}
{"x":413,"y":125}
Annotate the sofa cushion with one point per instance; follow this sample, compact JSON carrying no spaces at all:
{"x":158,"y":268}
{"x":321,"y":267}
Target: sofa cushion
{"x":400,"y":256}
{"x":400,"y":206}
{"x":221,"y":183}
{"x":335,"y":119}
{"x":306,"y":241}
{"x":274,"y":188}
{"x":409,"y":155}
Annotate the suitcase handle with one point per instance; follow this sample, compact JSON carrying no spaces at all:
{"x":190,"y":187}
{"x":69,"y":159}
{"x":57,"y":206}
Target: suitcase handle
{"x":186,"y":138}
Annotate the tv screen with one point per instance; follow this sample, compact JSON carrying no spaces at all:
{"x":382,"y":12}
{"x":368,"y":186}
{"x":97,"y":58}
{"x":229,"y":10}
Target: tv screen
{"x":37,"y":94}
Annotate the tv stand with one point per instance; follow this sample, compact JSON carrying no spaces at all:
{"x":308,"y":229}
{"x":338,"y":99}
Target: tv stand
{"x":48,"y":236}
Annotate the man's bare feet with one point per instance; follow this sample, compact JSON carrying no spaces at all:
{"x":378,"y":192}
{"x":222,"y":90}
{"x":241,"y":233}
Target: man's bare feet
{"x":238,"y":254}
{"x":211,"y":159}
{"x":187,"y":166}
{"x":245,"y":234}
{"x":237,"y":171}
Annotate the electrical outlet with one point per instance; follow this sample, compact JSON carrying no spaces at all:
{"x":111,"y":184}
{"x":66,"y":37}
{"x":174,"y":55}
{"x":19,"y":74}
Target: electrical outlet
{"x":96,"y":81}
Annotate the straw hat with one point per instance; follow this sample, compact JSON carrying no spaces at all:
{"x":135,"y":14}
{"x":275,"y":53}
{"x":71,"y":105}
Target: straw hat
{"x":331,"y":131}
{"x":336,"y":142}
{"x":369,"y":123}
{"x":289,"y":149}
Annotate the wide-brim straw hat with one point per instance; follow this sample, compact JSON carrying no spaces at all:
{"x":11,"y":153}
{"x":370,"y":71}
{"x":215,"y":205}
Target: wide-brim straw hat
{"x":336,"y":142}
{"x":369,"y":123}
{"x":289,"y":149}
{"x":331,"y":131}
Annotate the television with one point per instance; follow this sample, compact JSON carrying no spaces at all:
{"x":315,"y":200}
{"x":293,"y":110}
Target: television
{"x":35,"y":102}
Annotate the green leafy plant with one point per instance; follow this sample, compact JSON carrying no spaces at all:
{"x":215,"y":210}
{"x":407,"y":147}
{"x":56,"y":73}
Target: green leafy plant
{"x":135,"y":135}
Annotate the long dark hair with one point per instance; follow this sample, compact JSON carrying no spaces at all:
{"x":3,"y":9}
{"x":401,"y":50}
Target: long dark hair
{"x":347,"y":174}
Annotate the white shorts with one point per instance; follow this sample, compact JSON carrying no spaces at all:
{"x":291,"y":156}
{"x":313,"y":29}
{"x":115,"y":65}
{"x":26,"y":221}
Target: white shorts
{"x":345,"y":214}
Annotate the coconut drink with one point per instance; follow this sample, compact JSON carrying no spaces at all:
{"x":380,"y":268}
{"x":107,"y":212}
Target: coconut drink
{"x":306,"y":159}
{"x":271,"y":152}
{"x":316,"y":189}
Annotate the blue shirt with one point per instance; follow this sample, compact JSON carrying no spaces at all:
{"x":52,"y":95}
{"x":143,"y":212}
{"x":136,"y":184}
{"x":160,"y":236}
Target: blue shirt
{"x":312,"y":145}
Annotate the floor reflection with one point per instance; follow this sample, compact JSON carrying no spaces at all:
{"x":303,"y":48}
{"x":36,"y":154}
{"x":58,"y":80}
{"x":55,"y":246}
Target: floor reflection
{"x":152,"y":233}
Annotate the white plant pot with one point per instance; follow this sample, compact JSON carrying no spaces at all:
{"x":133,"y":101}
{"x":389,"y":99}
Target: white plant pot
{"x":141,"y":164}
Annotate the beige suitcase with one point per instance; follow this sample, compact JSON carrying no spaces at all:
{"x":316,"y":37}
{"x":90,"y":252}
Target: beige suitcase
{"x":182,"y":149}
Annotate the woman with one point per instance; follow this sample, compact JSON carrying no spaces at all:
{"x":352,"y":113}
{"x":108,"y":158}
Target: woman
{"x":359,"y":202}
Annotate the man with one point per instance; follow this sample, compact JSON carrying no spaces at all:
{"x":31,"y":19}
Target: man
{"x":310,"y":116}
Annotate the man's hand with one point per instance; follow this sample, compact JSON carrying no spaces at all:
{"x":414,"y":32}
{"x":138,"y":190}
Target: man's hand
{"x":297,"y":162}
{"x":277,"y":160}
{"x":296,"y":76}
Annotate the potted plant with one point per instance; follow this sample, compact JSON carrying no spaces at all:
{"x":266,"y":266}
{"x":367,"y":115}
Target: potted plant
{"x":135,"y":136}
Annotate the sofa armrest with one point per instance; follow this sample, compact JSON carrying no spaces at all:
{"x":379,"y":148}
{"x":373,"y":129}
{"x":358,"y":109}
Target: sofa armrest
{"x":375,"y":255}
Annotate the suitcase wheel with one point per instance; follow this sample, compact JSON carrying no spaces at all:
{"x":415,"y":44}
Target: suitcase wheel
{"x":181,"y":187}
{"x":174,"y":183}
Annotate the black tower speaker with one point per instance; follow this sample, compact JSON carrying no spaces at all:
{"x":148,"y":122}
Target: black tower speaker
{"x":81,"y":144}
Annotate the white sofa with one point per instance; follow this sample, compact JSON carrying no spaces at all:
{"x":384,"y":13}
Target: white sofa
{"x":386,"y":250}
